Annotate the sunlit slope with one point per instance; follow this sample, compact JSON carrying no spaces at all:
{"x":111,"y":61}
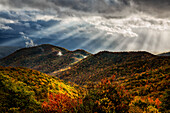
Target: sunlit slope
{"x":106,"y":64}
{"x":23,"y":89}
{"x":45,"y":58}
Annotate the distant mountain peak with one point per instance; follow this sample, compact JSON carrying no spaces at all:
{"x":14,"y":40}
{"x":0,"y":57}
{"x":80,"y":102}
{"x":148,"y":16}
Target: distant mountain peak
{"x":45,"y":58}
{"x":164,"y":54}
{"x":124,"y":53}
{"x":49,"y":47}
{"x":81,"y":51}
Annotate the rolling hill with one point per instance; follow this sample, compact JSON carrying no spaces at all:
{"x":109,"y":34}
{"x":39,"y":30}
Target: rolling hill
{"x":146,"y":92}
{"x":119,"y":82}
{"x":80,"y":66}
{"x":24,"y":90}
{"x":105,"y":64}
{"x":45,"y":58}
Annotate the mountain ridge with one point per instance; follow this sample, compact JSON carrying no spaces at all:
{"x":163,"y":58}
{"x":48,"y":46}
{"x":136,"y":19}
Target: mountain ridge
{"x":82,"y":82}
{"x":164,"y":54}
{"x":79,"y":64}
{"x":105,"y":64}
{"x":43,"y":56}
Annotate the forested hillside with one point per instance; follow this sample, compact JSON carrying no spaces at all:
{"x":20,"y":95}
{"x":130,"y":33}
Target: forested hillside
{"x":45,"y":58}
{"x":105,"y":64}
{"x":106,"y":82}
{"x":25,"y":90}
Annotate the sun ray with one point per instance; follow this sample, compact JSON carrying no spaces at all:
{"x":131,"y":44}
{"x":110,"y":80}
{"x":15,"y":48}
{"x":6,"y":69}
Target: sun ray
{"x":59,"y":27}
{"x":12,"y":42}
{"x":164,"y":45}
{"x":108,"y":41}
{"x":158,"y":43}
{"x":154,"y":41}
{"x":73,"y":32}
{"x":145,"y":43}
{"x":121,"y":44}
{"x":133,"y":44}
{"x":150,"y":43}
{"x":96,"y":44}
{"x":94,"y":37}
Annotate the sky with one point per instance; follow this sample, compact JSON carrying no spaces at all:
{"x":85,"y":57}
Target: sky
{"x":93,"y":25}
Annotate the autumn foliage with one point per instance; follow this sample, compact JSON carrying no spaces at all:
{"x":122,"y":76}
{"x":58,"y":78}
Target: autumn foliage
{"x":61,"y":103}
{"x":24,"y":90}
{"x":108,"y":83}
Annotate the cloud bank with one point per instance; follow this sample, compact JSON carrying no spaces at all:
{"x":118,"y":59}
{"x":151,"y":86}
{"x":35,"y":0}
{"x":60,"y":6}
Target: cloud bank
{"x":93,"y":25}
{"x":125,"y":26}
{"x":29,"y":42}
{"x":105,"y":7}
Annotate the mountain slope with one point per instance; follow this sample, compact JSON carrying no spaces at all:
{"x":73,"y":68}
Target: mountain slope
{"x":24,"y":90}
{"x":147,"y":92}
{"x":45,"y":58}
{"x":105,"y":64}
{"x":115,"y":82}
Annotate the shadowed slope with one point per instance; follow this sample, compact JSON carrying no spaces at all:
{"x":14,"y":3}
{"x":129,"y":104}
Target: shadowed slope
{"x":45,"y":58}
{"x":105,"y":64}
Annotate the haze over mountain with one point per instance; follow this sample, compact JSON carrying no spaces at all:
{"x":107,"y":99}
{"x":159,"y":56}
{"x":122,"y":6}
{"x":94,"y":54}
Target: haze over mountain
{"x":92,"y":25}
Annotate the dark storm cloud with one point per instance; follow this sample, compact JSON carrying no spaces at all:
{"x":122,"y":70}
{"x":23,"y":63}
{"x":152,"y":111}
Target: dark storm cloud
{"x":40,"y":4}
{"x":79,"y":5}
{"x":157,"y":7}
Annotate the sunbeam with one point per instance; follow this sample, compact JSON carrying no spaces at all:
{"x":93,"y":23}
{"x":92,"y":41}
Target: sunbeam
{"x":148,"y":42}
{"x":154,"y":42}
{"x":164,"y":43}
{"x":73,"y":32}
{"x":132,"y":46}
{"x":58,"y":27}
{"x":121,"y":44}
{"x":109,"y":39}
{"x":138,"y":31}
{"x":92,"y":38}
{"x":12,"y":42}
{"x":97,"y":43}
